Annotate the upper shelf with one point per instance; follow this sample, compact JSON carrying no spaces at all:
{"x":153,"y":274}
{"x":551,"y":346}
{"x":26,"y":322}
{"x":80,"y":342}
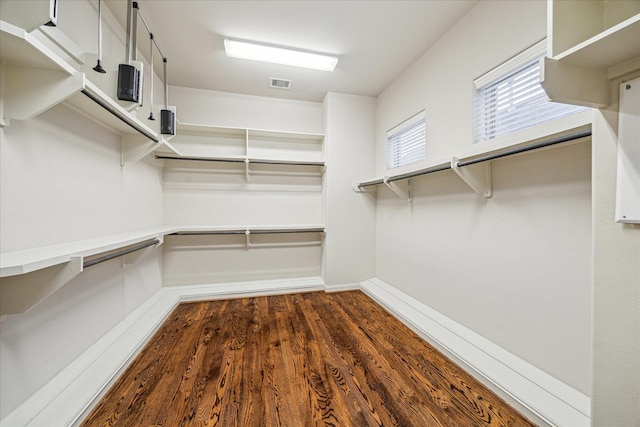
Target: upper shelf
{"x":589,"y":43}
{"x":36,"y":79}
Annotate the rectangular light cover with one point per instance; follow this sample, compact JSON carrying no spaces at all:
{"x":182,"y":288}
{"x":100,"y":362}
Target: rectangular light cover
{"x":279,"y":55}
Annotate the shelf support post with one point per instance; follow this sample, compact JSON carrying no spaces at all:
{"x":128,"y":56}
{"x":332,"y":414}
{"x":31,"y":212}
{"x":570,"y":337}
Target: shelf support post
{"x":247,"y":170}
{"x":477,"y":176}
{"x":404,"y":191}
{"x":247,"y":235}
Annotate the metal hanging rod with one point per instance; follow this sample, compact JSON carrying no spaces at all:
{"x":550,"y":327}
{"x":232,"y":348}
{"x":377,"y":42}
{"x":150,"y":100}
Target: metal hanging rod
{"x":149,"y":31}
{"x":553,"y":141}
{"x":239,"y":160}
{"x":122,"y":252}
{"x":418,"y":173}
{"x":247,"y":231}
{"x":123,"y":117}
{"x":547,"y":143}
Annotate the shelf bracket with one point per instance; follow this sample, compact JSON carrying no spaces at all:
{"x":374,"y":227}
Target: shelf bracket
{"x":247,"y":170}
{"x":30,"y":91}
{"x":404,"y":191}
{"x":22,"y":292}
{"x":247,"y":236}
{"x":477,"y":176}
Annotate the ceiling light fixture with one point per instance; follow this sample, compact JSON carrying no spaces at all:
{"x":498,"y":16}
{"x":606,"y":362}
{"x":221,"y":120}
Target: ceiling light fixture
{"x":279,"y":55}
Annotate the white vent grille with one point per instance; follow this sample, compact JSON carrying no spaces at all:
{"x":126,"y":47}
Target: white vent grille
{"x":279,"y":83}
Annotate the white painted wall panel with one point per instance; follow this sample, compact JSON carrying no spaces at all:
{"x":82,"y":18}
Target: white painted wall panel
{"x":515,"y":268}
{"x":350,"y":242}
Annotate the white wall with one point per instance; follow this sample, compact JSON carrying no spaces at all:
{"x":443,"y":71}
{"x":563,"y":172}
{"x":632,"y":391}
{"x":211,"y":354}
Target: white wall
{"x":616,"y":286}
{"x":350,"y":242}
{"x":514,"y":268}
{"x":60,"y":181}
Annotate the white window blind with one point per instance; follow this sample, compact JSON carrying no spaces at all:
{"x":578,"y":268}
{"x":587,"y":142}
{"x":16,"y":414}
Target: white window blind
{"x":510,"y":98}
{"x":406,"y":143}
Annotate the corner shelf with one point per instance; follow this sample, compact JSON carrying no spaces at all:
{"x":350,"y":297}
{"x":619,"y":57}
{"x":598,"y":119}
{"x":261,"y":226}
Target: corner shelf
{"x":202,"y":143}
{"x":589,"y":44}
{"x":36,"y":79}
{"x":29,"y":276}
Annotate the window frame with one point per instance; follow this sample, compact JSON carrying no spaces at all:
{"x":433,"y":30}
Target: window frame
{"x":395,"y":160}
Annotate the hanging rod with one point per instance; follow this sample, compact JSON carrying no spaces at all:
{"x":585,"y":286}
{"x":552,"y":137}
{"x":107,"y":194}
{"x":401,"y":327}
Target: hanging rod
{"x":553,"y":141}
{"x":371,"y":183}
{"x":418,"y":173}
{"x":547,"y":143}
{"x":123,"y":251}
{"x":239,"y":160}
{"x":245,"y":231}
{"x":124,"y":118}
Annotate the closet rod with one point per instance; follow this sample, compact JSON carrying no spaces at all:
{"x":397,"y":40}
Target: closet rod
{"x":418,"y":173}
{"x":120,"y":116}
{"x":239,"y":160}
{"x":244,"y":231}
{"x":547,"y":143}
{"x":123,"y":251}
{"x":371,"y":183}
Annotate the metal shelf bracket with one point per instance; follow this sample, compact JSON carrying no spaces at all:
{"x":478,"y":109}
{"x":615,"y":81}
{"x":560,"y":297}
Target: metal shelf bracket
{"x":476,"y":176}
{"x":401,"y":188}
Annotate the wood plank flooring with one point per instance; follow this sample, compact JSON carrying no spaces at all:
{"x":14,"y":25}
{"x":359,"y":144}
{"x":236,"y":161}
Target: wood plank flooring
{"x":315,"y":359}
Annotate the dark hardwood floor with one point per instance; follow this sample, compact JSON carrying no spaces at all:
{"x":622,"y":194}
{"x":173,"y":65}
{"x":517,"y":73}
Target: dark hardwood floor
{"x":331,"y":359}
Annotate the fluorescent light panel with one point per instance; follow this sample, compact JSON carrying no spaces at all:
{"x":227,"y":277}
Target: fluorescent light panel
{"x":279,"y":55}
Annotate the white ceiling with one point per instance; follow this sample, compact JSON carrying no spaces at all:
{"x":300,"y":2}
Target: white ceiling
{"x":375,"y":41}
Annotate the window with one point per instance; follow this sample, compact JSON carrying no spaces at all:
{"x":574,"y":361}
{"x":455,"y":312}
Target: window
{"x":510,"y":98}
{"x":406,"y":143}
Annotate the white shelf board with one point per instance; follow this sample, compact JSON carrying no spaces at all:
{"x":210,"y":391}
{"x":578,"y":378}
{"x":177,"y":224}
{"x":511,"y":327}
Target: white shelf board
{"x":286,"y":136}
{"x":21,"y":48}
{"x":614,"y":46}
{"x":26,"y":261}
{"x":190,"y":128}
{"x":29,"y":260}
{"x":243,"y":228}
{"x":97,"y":105}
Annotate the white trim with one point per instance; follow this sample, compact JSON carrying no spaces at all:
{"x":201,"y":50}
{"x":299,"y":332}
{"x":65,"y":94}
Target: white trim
{"x":72,"y":393}
{"x":508,"y":66}
{"x":545,"y":396}
{"x":342,"y":288}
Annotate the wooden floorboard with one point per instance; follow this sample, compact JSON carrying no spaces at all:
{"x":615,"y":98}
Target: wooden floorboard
{"x":314,"y":359}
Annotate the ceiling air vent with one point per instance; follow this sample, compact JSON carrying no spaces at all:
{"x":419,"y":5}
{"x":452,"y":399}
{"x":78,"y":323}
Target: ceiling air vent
{"x":279,"y":83}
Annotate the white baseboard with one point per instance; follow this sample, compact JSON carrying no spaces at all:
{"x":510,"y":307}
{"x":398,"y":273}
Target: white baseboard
{"x":546,"y":397}
{"x":342,"y":288}
{"x":65,"y":399}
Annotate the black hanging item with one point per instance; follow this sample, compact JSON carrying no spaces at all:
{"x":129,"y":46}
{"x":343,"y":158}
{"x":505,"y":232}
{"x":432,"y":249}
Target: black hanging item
{"x":151,"y":76}
{"x":54,"y":15}
{"x":167,"y":117}
{"x":128,"y":75}
{"x":98,"y":68}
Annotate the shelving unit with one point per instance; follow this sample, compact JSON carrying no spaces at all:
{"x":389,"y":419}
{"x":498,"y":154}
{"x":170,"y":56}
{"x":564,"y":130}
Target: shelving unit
{"x":201,"y":143}
{"x":35,"y":79}
{"x":474,"y":166}
{"x":589,"y":43}
{"x":29,"y":276}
